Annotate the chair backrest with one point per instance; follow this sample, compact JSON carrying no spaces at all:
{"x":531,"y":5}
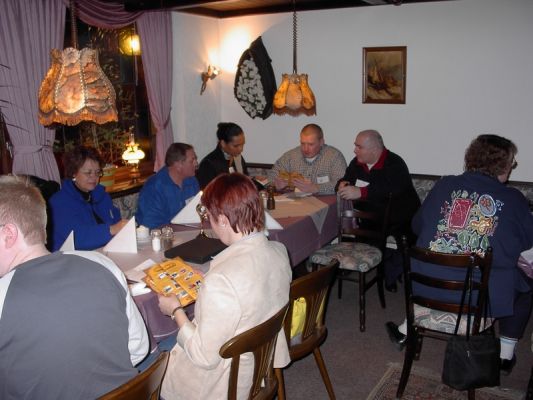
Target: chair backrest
{"x":145,"y":386}
{"x":261,"y":341}
{"x":480,"y":264}
{"x":363,"y":223}
{"x":313,"y":288}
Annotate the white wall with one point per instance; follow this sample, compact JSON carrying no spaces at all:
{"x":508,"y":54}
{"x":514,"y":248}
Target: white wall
{"x":469,"y":71}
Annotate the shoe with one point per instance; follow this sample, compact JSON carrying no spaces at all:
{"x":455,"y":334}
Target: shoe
{"x":506,"y":366}
{"x":397,"y":338}
{"x":393,"y":288}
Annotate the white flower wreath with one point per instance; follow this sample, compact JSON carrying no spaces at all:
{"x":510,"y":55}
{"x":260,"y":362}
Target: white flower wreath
{"x":249,"y":89}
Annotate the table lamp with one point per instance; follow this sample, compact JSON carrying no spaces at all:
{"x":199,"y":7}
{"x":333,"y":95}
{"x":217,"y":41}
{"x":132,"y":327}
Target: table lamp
{"x":132,"y":156}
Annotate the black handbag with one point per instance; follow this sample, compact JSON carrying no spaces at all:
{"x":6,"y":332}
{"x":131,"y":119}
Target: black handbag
{"x":471,"y":361}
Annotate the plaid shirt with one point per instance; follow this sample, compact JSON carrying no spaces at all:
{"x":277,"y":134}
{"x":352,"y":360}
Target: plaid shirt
{"x":328,"y":167}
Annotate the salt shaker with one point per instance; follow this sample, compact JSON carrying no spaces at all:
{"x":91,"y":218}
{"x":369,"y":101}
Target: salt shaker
{"x":156,"y":239}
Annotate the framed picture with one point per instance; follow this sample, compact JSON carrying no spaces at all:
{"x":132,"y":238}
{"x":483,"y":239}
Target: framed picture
{"x":384,"y":73}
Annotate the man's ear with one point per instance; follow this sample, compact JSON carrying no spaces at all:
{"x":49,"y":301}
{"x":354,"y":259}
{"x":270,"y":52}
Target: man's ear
{"x":10,"y":233}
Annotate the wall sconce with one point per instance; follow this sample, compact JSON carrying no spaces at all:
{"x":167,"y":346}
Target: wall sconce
{"x":132,"y":155}
{"x":212,"y":73}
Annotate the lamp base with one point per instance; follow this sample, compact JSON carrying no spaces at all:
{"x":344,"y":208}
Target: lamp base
{"x":135,"y":174}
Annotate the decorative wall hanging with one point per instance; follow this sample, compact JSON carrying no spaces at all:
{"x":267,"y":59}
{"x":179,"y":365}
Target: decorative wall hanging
{"x":384,"y":73}
{"x":294,"y":95}
{"x":75,"y":88}
{"x":255,"y":83}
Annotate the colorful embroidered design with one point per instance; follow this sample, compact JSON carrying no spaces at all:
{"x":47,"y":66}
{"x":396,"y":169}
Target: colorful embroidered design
{"x":467,"y":224}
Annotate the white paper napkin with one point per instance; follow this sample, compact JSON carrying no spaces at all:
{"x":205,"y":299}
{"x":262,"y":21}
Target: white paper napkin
{"x":271,"y":223}
{"x":188,"y":214}
{"x":125,"y":241}
{"x":68,"y":244}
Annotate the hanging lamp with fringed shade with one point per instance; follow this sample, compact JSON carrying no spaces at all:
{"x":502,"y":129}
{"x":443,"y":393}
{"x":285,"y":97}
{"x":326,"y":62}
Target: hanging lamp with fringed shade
{"x":294,"y":96}
{"x":75,"y":88}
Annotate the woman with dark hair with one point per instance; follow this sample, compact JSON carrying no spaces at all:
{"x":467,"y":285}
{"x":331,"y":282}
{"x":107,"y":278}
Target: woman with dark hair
{"x":82,"y":205}
{"x":470,"y":213}
{"x":227,"y":155}
{"x":246,"y":284}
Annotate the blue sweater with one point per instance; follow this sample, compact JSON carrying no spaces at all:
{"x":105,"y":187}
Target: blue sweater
{"x":71,"y":212}
{"x":161,"y":199}
{"x":471,"y":212}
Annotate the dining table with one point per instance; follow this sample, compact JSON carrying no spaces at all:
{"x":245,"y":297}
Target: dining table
{"x":307,"y":223}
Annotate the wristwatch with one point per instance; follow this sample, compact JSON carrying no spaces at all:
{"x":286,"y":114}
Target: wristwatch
{"x":172,"y":315}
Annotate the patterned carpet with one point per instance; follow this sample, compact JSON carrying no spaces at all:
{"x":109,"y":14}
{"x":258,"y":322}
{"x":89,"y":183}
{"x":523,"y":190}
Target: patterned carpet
{"x":424,"y":384}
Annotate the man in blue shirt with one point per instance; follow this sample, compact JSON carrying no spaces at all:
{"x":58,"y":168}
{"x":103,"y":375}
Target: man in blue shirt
{"x":165,"y":193}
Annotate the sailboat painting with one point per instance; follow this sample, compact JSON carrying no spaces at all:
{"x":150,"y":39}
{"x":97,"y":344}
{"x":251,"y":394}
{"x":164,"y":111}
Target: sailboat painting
{"x":384,"y":73}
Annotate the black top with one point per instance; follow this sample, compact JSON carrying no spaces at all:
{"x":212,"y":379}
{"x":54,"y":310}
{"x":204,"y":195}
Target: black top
{"x":214,"y":164}
{"x":389,"y":175}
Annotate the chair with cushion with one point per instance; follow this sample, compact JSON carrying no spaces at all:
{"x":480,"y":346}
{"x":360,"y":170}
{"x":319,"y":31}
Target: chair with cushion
{"x":427,"y":317}
{"x":304,"y":326}
{"x":261,"y":341}
{"x":145,"y":386}
{"x":360,"y":250}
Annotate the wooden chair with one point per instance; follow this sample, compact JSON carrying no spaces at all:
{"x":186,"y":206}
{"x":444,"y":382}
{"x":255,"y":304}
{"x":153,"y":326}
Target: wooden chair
{"x":313,"y":288}
{"x":261,"y":341}
{"x":427,"y":317}
{"x":360,"y":250}
{"x":145,"y":386}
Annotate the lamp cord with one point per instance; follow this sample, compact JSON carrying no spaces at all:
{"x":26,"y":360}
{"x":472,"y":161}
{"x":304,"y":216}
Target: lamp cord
{"x":294,"y":38}
{"x":73,"y":28}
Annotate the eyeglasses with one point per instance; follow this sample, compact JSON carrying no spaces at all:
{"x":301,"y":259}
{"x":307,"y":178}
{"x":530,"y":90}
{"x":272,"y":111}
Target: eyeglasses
{"x":98,"y":173}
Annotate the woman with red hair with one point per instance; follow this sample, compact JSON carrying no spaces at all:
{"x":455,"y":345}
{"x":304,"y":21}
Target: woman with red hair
{"x":246,"y":284}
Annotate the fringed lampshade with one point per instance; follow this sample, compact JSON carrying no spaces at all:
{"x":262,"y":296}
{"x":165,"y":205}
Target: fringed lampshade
{"x":294,"y":96}
{"x":75,"y":88}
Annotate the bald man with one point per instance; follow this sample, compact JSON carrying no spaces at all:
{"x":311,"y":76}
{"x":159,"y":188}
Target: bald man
{"x":320,"y":166}
{"x":372,"y":175}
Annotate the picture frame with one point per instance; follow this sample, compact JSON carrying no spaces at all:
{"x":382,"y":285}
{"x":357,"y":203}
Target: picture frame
{"x":384,"y":74}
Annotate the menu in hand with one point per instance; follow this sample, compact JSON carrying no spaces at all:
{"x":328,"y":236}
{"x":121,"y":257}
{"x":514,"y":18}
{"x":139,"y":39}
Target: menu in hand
{"x":174,"y":277}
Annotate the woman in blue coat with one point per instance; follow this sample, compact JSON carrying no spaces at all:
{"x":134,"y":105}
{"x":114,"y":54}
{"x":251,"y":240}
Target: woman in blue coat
{"x":470,"y":212}
{"x":82,"y":205}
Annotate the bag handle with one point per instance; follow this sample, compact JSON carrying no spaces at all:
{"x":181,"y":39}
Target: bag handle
{"x":467,"y":287}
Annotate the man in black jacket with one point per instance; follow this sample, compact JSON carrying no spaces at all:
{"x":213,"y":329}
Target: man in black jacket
{"x":372,"y":175}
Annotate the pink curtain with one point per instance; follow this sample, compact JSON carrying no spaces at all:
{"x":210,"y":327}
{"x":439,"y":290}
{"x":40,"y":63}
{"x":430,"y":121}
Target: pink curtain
{"x":29,"y":29}
{"x":155,"y":31}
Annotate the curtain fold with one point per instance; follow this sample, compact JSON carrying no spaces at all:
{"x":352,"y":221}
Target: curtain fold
{"x":29,"y":29}
{"x":155,"y":31}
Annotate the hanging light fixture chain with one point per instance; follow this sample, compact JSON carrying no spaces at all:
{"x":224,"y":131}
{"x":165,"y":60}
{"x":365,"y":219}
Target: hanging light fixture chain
{"x":294,"y":38}
{"x":73,"y":27}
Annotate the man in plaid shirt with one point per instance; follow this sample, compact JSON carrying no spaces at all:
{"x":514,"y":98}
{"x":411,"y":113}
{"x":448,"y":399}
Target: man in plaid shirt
{"x":319,"y":165}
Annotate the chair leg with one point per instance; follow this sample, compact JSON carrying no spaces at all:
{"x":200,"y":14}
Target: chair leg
{"x":281,"y":383}
{"x":323,"y":372}
{"x":407,"y":363}
{"x":362,"y":301}
{"x":380,"y":284}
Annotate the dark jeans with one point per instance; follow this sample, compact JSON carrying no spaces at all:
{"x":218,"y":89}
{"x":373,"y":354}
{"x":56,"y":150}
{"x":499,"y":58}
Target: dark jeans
{"x":166,"y":344}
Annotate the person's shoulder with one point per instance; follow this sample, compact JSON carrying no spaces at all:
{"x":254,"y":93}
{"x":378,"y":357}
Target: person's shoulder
{"x":97,"y":260}
{"x":332,"y":149}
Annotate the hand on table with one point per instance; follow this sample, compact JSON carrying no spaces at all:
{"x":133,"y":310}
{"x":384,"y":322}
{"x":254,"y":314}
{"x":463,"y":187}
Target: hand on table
{"x":348,"y":192}
{"x":305,"y":185}
{"x":280,"y":183}
{"x":115,"y":228}
{"x":168,"y":303}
